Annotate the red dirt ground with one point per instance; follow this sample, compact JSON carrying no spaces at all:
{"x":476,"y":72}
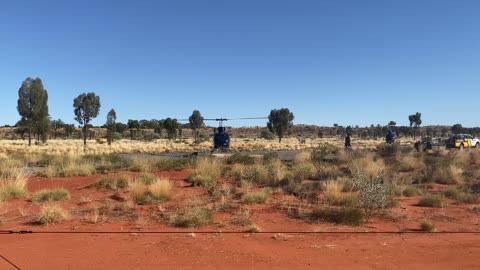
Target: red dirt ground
{"x":268,"y":250}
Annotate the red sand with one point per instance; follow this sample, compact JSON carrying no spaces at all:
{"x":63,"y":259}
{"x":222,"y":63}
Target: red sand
{"x":232,"y":251}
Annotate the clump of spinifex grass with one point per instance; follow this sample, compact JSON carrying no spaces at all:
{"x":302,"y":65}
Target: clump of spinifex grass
{"x":69,"y":166}
{"x":53,"y":195}
{"x":110,"y":183}
{"x":259,"y":197}
{"x":192,"y":216}
{"x":52,"y":214}
{"x":435,"y":201}
{"x":157,"y":191}
{"x":13,"y":181}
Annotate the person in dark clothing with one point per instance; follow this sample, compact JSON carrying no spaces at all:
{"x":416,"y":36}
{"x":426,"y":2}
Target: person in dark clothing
{"x":348,"y":144}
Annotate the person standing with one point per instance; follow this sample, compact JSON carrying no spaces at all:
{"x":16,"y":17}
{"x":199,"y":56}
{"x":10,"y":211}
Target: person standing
{"x":348,"y":144}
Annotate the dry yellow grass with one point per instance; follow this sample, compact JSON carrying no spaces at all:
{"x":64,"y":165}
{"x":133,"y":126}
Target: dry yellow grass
{"x":13,"y":180}
{"x":209,"y":167}
{"x":53,"y":214}
{"x":137,"y":190}
{"x":368,"y":166}
{"x":163,"y":189}
{"x":65,"y":147}
{"x":302,"y":157}
{"x":68,"y":166}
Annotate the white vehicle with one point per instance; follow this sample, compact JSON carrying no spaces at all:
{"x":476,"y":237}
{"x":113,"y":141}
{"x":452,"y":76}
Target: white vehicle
{"x":475,"y":141}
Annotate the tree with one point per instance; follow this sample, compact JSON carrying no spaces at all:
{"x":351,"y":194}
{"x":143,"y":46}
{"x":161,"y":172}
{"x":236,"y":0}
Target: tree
{"x":134,"y":126}
{"x":457,"y":129}
{"x":415,"y":122}
{"x":111,"y":125}
{"x":56,"y":125}
{"x":171,"y":126}
{"x":121,"y":127}
{"x":196,"y":122}
{"x":87,"y":107}
{"x":69,"y":129}
{"x":33,"y":106}
{"x":279,"y":121}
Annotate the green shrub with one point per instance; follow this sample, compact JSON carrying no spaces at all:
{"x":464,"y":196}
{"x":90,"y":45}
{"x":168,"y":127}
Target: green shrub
{"x":256,"y":197}
{"x":453,"y":193}
{"x":267,"y":135}
{"x":374,"y":195}
{"x":411,"y":191}
{"x":253,"y":174}
{"x":303,"y":171}
{"x":436,"y":201}
{"x":238,"y":158}
{"x":177,"y":164}
{"x":110,"y":183}
{"x":53,"y":195}
{"x":347,"y":216}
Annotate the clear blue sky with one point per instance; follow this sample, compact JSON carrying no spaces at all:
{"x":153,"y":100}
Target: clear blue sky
{"x":346,"y":62}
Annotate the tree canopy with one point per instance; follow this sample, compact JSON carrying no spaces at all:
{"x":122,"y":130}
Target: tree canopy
{"x":33,"y":107}
{"x":279,"y":121}
{"x":86,"y":107}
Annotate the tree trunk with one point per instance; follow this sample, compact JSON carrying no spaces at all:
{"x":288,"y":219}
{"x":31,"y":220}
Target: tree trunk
{"x":29,"y":136}
{"x":85,"y":130}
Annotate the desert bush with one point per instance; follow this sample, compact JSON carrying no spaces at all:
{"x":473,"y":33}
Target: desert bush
{"x":453,"y":193}
{"x":162,"y":190}
{"x":318,"y":154}
{"x":191,"y":216}
{"x":327,"y":172}
{"x":302,"y":171}
{"x":368,"y":167}
{"x":143,"y":164}
{"x":252,"y":174}
{"x":270,"y":156}
{"x":427,"y":226}
{"x":411,"y":191}
{"x":267,"y":135}
{"x":388,"y":150}
{"x":254,"y":228}
{"x":335,"y":197}
{"x":53,"y":195}
{"x":69,"y":166}
{"x":137,"y":190}
{"x":208,"y":167}
{"x":435,"y":201}
{"x":13,"y":181}
{"x":302,"y":157}
{"x":259,"y":197}
{"x":166,"y":164}
{"x":147,"y":178}
{"x":242,"y":218}
{"x":470,"y":199}
{"x":277,"y":171}
{"x":410,"y":163}
{"x":110,"y":183}
{"x":238,"y":158}
{"x":52,"y":214}
{"x":374,"y":195}
{"x":347,"y":216}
